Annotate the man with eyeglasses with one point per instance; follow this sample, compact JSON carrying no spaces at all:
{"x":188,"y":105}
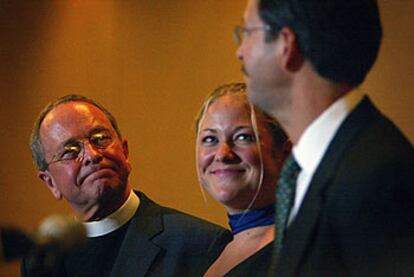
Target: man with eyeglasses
{"x":345,"y":198}
{"x":82,"y":158}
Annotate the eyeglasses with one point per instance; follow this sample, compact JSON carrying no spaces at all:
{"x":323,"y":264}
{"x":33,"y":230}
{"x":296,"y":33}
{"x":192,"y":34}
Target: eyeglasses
{"x":241,"y":32}
{"x":75,"y":149}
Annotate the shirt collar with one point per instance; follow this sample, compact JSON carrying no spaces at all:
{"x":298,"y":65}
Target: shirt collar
{"x":115,"y":220}
{"x":316,"y":138}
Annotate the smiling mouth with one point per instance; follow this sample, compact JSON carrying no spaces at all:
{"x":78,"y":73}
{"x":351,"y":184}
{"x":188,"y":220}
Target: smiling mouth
{"x":227,"y":172}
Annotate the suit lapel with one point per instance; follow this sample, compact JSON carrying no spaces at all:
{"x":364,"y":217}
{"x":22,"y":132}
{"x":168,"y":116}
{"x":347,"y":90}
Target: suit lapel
{"x":301,"y":232}
{"x":137,"y":251}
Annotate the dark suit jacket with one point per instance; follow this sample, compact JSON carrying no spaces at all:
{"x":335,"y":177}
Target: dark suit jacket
{"x":160,"y":241}
{"x":357,"y":218}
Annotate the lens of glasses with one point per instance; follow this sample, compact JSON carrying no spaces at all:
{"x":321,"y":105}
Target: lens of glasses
{"x":101,"y":139}
{"x":70,"y":152}
{"x":238,"y":34}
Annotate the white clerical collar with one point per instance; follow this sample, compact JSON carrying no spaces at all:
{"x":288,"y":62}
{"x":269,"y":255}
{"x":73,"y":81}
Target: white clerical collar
{"x":316,"y":138}
{"x":115,"y":220}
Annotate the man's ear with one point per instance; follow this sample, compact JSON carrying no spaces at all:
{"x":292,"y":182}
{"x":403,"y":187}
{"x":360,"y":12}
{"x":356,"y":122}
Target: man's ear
{"x":48,"y":181}
{"x":125,"y":148}
{"x":126,"y":153}
{"x":291,"y":57}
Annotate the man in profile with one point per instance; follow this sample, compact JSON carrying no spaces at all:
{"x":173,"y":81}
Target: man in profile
{"x":347,"y":207}
{"x":82,"y":157}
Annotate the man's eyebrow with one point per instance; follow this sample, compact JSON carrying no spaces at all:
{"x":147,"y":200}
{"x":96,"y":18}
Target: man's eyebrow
{"x":94,"y":130}
{"x":97,"y":129}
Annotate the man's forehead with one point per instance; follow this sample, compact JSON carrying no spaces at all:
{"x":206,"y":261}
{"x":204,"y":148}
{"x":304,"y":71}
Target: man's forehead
{"x":72,"y":119}
{"x":69,"y":111}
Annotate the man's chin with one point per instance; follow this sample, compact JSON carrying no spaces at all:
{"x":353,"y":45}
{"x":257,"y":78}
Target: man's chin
{"x":258,"y":98}
{"x":252,"y":93}
{"x":105,"y":182}
{"x":244,"y":71}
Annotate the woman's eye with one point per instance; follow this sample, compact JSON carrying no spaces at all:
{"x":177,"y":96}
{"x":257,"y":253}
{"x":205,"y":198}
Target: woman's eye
{"x":245,"y":138}
{"x":209,"y":140}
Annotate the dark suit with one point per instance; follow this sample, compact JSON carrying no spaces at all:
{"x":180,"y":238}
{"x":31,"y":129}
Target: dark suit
{"x":158,"y":241}
{"x":357,"y":218}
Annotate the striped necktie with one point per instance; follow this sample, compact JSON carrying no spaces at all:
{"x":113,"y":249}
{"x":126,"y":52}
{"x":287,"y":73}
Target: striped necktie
{"x":285,"y":195}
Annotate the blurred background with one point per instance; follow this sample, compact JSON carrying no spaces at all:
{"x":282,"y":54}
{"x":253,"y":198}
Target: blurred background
{"x":151,"y":63}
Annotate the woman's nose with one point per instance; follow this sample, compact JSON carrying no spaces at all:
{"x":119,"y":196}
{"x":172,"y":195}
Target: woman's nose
{"x":224,"y":153}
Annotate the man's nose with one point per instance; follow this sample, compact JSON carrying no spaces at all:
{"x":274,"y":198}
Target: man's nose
{"x":91,"y":154}
{"x":239,"y":52}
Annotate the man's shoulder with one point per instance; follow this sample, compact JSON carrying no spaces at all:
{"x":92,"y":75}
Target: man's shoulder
{"x":382,"y":138}
{"x":180,"y":230}
{"x":367,"y":133}
{"x":173,"y":218}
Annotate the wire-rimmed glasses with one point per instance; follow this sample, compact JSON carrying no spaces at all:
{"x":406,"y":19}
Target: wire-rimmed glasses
{"x":75,"y":149}
{"x":241,"y":32}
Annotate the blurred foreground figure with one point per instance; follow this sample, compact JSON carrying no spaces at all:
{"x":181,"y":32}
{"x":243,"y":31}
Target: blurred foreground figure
{"x":82,"y":158}
{"x":345,"y":198}
{"x":56,"y":236}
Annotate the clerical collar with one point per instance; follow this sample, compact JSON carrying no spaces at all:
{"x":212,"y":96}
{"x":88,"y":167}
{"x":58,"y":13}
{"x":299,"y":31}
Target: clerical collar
{"x":252,"y":218}
{"x":115,"y":220}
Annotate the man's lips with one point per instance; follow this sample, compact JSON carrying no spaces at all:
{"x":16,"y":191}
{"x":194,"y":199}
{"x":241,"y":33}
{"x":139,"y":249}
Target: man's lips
{"x":243,"y":69}
{"x":94,"y":171}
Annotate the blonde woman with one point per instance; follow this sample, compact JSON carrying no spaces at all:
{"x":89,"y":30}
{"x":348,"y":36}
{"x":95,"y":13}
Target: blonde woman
{"x":240,"y":152}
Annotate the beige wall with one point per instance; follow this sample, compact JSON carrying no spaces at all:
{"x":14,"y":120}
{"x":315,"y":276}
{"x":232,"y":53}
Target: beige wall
{"x":151,"y":63}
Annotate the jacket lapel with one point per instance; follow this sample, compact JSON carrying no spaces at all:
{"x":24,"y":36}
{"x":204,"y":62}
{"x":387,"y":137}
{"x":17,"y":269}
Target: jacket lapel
{"x":299,"y":235}
{"x":137,"y":251}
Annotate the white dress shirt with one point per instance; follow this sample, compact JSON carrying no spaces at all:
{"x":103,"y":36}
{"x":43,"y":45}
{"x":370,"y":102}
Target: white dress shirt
{"x":315,"y":140}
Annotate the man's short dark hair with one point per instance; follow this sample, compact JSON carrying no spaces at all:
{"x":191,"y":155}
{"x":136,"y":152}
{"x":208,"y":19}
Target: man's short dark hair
{"x":340,"y":38}
{"x":36,"y":146}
